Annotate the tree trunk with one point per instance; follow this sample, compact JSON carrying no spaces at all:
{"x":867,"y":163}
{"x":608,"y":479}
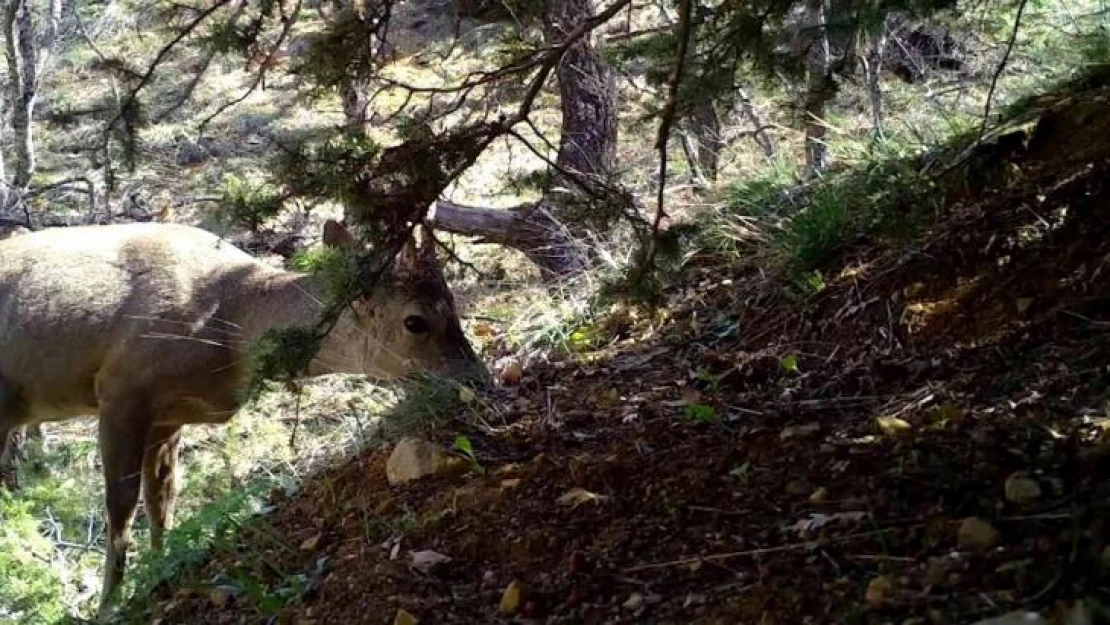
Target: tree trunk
{"x":817,"y":88}
{"x":27,"y":51}
{"x":702,"y":141}
{"x":355,"y":107}
{"x":587,"y":91}
{"x":22,"y":82}
{"x":872,"y":67}
{"x":546,"y":231}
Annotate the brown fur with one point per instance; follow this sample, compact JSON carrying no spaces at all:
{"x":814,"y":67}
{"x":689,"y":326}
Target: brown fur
{"x":146,"y":326}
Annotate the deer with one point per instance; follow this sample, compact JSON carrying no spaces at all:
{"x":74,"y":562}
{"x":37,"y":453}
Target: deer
{"x":147,"y":327}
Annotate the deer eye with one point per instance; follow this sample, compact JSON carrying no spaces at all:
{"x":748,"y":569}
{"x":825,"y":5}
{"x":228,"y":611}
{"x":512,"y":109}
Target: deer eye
{"x":416,"y":324}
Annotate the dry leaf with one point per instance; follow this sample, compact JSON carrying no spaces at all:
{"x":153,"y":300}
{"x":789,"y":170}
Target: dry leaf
{"x":879,"y":591}
{"x":576,"y":496}
{"x":466,"y":395}
{"x":310,"y":543}
{"x":893,"y":426}
{"x":425,"y":561}
{"x":510,"y":599}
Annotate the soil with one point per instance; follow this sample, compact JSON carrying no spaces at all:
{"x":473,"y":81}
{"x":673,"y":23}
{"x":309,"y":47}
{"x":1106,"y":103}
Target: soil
{"x":849,"y":435}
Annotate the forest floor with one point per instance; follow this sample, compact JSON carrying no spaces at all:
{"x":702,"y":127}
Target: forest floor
{"x":753,"y":457}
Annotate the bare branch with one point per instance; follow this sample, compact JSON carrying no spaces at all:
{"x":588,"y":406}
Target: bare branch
{"x":998,"y":71}
{"x":665,"y":124}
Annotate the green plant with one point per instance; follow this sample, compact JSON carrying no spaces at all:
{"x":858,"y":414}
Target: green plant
{"x":248,"y":204}
{"x":701,"y":413}
{"x":463,"y":446}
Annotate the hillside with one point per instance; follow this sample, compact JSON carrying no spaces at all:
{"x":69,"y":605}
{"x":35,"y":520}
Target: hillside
{"x":753,"y":453}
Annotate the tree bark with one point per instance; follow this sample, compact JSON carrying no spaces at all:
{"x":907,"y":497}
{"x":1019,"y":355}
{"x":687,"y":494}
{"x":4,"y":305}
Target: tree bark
{"x":587,"y":91}
{"x":22,"y":82}
{"x":817,"y":88}
{"x":872,"y":67}
{"x":703,"y":141}
{"x":547,"y":231}
{"x":27,"y":50}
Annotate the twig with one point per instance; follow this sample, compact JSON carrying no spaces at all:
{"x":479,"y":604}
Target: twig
{"x":161,"y":57}
{"x":263,"y":67}
{"x":754,"y":552}
{"x":666,"y":122}
{"x":77,"y":546}
{"x":998,"y":71}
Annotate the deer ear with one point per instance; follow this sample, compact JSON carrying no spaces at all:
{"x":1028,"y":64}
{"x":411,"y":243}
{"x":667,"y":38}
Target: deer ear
{"x":337,"y":236}
{"x":428,"y":246}
{"x":407,"y":259}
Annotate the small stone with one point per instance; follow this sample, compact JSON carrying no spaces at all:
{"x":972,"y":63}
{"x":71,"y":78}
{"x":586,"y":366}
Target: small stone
{"x":510,"y":599}
{"x":222,"y":595}
{"x":404,"y":617}
{"x":879,"y":591}
{"x":976,"y":534}
{"x":413,"y":459}
{"x":634,"y":602}
{"x":1021,"y":489}
{"x":819,"y":495}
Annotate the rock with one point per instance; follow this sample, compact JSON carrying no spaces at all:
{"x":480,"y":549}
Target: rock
{"x":819,"y":495}
{"x":634,"y":602}
{"x":893,"y":426}
{"x":976,"y":534}
{"x":403,"y":617}
{"x":879,"y":591}
{"x":510,"y":599}
{"x":1021,"y":489}
{"x":413,"y":459}
{"x":222,"y":595}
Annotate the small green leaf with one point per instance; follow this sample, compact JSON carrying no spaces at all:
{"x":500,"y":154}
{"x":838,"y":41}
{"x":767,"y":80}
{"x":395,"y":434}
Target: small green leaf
{"x":462,"y":444}
{"x":790,"y":363}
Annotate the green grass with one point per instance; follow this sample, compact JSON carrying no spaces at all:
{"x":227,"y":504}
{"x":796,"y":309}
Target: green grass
{"x":52,"y":531}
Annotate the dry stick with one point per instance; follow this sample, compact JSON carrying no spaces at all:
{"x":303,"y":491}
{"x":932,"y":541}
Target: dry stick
{"x":755,"y":552}
{"x":998,"y":71}
{"x":665,"y":124}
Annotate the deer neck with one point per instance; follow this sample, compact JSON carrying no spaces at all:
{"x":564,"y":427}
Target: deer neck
{"x":280,"y":300}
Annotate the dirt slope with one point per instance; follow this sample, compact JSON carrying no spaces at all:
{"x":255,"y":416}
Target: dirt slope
{"x":986,"y":339}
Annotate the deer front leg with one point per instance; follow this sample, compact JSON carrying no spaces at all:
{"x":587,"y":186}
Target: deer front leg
{"x":160,"y":480}
{"x":124,"y":427}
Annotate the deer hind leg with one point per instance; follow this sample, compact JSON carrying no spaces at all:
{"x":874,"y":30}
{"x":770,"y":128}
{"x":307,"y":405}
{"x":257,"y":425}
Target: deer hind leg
{"x":124,"y":427}
{"x":13,"y":416}
{"x":160,"y":480}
